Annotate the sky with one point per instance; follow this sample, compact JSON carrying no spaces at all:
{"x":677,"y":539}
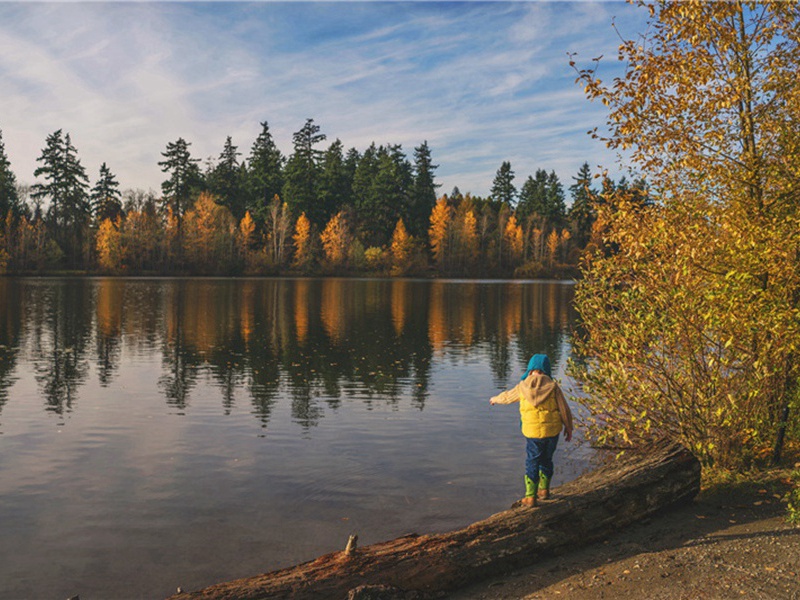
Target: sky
{"x":481,"y":82}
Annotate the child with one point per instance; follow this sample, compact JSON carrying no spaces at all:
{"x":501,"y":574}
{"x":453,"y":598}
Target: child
{"x":543,"y":412}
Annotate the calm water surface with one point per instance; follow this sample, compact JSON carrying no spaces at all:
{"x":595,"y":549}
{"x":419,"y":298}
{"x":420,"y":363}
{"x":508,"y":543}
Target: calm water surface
{"x":157,"y":433}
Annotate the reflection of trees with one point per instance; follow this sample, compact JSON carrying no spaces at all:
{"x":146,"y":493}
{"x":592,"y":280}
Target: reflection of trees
{"x":549,"y":311}
{"x":316,"y":342}
{"x":61,"y":329}
{"x":180,"y":361}
{"x":10,"y":324}
{"x":108,"y":307}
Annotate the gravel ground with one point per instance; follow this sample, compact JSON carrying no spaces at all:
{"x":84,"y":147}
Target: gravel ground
{"x":733,"y":541}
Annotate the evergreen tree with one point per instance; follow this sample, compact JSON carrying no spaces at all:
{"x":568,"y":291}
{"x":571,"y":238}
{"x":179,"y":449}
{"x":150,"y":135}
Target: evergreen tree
{"x":381,"y":189}
{"x":423,"y":192}
{"x":533,"y":196}
{"x":66,"y":188}
{"x":264,"y":174}
{"x":351,"y":161}
{"x":581,"y":213}
{"x":503,"y":189}
{"x":9,"y":198}
{"x":335,"y":182}
{"x":106,"y":197}
{"x":225,"y":180}
{"x":184,"y":178}
{"x":556,"y":208}
{"x":302,"y":174}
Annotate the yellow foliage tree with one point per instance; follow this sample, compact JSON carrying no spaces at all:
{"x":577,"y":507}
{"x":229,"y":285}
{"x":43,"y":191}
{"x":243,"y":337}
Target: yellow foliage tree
{"x":553,"y":240}
{"x":512,"y":237}
{"x":336,"y":240}
{"x":247,"y":239}
{"x":438,"y":232}
{"x":109,"y":245}
{"x":209,"y":235}
{"x":402,"y":250}
{"x":690,"y":306}
{"x":302,"y":243}
{"x":469,"y":238}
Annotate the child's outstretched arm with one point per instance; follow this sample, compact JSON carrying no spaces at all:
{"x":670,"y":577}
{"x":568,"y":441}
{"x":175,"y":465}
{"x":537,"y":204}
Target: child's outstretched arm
{"x":507,"y":397}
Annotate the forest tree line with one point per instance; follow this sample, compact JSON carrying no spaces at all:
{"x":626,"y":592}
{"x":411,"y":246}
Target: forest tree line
{"x":317,"y":211}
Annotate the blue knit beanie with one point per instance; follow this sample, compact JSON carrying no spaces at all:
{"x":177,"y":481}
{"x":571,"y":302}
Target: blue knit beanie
{"x":538,"y":362}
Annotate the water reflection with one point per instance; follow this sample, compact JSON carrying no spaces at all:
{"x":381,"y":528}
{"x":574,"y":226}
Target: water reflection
{"x":156,"y":432}
{"x":318,"y":339}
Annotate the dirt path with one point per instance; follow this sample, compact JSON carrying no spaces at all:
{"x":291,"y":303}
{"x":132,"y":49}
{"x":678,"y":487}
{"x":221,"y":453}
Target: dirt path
{"x":731,"y":542}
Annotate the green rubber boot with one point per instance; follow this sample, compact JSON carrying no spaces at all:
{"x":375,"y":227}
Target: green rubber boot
{"x":530,"y":492}
{"x":544,"y":487}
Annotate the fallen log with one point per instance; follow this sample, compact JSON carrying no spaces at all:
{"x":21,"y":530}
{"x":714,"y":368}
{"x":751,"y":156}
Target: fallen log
{"x":585,"y":510}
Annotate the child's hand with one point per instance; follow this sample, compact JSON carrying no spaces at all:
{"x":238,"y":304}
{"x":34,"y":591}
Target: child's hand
{"x":568,"y":435}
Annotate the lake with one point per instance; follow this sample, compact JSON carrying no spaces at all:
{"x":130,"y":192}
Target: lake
{"x":157,"y":433}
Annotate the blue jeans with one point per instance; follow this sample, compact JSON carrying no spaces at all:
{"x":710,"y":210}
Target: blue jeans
{"x":540,"y":456}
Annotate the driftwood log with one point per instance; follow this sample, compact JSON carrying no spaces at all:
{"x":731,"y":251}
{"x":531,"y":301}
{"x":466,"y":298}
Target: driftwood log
{"x":587,"y":509}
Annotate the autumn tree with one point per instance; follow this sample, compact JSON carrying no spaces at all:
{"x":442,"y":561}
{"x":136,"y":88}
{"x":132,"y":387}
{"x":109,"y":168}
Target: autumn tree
{"x":439,"y":232}
{"x":303,"y":243}
{"x":209,"y":236}
{"x":109,"y":245}
{"x":512,"y":236}
{"x":336,"y":239}
{"x":246,"y":236}
{"x":402,"y":250}
{"x":691,"y":327}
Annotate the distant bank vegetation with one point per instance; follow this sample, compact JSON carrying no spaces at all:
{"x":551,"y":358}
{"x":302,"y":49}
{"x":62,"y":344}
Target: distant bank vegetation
{"x":315,"y":212}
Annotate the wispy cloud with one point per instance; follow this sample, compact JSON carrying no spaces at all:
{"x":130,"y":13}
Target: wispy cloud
{"x":481,"y":82}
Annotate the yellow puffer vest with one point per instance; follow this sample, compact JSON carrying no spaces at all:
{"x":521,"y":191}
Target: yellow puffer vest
{"x":540,"y":421}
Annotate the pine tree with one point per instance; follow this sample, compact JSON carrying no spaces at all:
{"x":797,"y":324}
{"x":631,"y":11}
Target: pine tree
{"x":183,"y":183}
{"x":184,"y":176}
{"x":381,"y":189}
{"x":9,"y":198}
{"x":225,"y":181}
{"x":66,"y":188}
{"x":503,"y":189}
{"x":105,"y":196}
{"x":581,"y":213}
{"x":423,"y":192}
{"x":335,"y":182}
{"x":264,"y":174}
{"x":302,"y":174}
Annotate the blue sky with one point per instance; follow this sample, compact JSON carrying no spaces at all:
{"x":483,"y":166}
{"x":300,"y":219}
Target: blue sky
{"x":482,"y":82}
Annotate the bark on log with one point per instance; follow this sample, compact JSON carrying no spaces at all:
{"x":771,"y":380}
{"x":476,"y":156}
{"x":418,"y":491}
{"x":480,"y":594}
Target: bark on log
{"x":585,"y":510}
